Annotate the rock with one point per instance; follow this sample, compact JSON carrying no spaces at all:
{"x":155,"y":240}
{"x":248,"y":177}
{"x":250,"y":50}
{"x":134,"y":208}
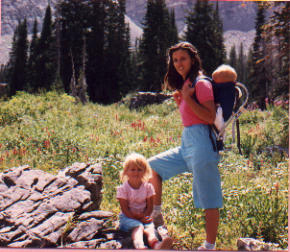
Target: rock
{"x":36,"y":207}
{"x":142,"y":99}
{"x":250,"y":244}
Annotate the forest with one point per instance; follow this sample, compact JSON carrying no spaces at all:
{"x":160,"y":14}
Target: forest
{"x":84,"y":49}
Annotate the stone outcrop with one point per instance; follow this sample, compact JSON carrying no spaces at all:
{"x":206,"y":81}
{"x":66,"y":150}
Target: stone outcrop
{"x":250,"y":244}
{"x":38,"y":209}
{"x":142,"y":99}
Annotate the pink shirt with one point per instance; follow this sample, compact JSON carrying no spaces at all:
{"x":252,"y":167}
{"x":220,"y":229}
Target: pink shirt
{"x":204,"y":92}
{"x":136,"y":197}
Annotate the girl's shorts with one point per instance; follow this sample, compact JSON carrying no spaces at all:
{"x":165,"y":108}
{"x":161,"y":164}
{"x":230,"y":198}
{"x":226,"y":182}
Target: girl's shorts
{"x":195,"y":155}
{"x":127,"y":224}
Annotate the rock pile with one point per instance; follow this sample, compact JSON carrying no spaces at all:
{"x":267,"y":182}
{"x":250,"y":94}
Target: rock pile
{"x":142,"y":99}
{"x":38,"y":209}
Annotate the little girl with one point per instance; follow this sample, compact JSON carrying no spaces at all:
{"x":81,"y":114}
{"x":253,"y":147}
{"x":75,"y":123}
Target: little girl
{"x":136,"y":200}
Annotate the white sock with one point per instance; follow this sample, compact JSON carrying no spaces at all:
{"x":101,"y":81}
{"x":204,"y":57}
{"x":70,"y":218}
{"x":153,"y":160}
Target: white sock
{"x":209,"y":245}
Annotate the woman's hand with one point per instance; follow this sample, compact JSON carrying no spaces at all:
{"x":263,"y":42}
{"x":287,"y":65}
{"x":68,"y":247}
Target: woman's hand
{"x":187,"y":91}
{"x":177,"y":97}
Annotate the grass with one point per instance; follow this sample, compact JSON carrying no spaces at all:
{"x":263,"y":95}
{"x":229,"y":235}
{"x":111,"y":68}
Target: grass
{"x":50,"y":131}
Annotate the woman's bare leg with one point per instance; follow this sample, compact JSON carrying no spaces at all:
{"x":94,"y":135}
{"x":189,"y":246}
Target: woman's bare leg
{"x":156,"y":181}
{"x":156,"y":214}
{"x":211,"y":224}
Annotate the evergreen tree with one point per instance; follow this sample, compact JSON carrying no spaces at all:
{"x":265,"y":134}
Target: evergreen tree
{"x":73,"y":27}
{"x":154,"y":44}
{"x":46,"y":59}
{"x":250,"y":78}
{"x":95,"y":50}
{"x":260,"y":88}
{"x":32,"y":68}
{"x":219,"y":47}
{"x":173,"y":32}
{"x":277,"y":49}
{"x":233,"y":57}
{"x":18,"y":59}
{"x":204,"y":31}
{"x":241,"y":65}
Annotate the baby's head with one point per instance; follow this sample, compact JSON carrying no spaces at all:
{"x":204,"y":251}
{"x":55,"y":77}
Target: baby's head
{"x":224,"y":73}
{"x":138,"y":161}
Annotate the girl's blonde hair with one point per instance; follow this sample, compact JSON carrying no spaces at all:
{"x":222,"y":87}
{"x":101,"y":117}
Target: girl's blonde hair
{"x":137,"y":160}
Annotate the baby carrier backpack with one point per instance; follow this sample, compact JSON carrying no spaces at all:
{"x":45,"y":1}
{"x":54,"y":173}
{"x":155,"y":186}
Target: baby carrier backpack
{"x":230,"y":98}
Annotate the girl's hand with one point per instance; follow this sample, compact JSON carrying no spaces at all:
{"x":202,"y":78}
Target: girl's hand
{"x":177,"y":97}
{"x":187,"y":91}
{"x":146,"y":219}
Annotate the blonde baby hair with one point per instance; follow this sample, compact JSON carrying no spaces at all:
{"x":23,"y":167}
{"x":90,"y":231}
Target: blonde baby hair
{"x":224,"y":73}
{"x":139,"y":161}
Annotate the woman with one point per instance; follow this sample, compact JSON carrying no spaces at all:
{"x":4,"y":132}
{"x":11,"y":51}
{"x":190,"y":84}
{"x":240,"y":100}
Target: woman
{"x":196,"y":153}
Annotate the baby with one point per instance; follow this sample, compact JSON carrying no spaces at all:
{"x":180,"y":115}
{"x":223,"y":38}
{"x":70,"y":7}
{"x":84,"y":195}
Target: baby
{"x":223,"y":74}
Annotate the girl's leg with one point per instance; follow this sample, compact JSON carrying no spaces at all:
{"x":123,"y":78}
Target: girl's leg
{"x":137,"y":237}
{"x":211,"y":224}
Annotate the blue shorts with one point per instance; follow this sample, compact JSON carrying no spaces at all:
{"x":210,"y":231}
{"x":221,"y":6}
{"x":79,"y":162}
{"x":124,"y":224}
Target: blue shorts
{"x":195,"y":155}
{"x":127,"y":224}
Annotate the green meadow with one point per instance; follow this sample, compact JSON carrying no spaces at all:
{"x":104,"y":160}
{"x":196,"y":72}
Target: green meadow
{"x":51,"y":131}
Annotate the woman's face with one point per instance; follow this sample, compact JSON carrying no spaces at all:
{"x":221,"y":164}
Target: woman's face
{"x":182,"y":62}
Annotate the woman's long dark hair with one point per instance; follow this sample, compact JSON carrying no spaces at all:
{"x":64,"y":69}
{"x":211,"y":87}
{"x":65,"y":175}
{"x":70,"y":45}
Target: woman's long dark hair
{"x":173,"y":80}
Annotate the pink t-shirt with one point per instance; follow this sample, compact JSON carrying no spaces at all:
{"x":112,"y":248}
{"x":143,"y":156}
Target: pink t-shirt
{"x":136,"y":197}
{"x":204,"y":92}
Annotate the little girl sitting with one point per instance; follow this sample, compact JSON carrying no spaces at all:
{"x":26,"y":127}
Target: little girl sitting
{"x":136,"y":200}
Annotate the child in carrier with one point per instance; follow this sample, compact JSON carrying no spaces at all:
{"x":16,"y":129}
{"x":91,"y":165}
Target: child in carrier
{"x":223,"y":74}
{"x":136,"y":200}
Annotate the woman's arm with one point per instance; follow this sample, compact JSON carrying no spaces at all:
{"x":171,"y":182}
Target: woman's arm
{"x":205,"y":111}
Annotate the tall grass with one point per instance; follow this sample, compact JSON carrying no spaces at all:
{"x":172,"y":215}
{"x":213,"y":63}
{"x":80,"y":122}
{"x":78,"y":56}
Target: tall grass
{"x":50,"y":131}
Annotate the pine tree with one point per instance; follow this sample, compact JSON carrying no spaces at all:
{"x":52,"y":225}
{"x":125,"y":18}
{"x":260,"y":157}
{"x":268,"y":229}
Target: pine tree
{"x":219,"y":47}
{"x":173,"y":32}
{"x":204,"y":31}
{"x":250,"y":78}
{"x":46,"y":60}
{"x":32,"y":68}
{"x":241,"y":64}
{"x":232,"y":61}
{"x":95,"y":50}
{"x":154,"y":44}
{"x":260,"y":88}
{"x":18,"y":59}
{"x":276,"y":32}
{"x":73,"y":27}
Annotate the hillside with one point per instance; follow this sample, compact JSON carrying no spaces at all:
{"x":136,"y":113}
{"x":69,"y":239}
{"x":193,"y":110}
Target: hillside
{"x":51,"y":131}
{"x":238,"y":19}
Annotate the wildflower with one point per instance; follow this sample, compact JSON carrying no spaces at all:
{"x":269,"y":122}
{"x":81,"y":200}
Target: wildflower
{"x":145,"y":139}
{"x":276,"y":185}
{"x":15,"y":152}
{"x":46,"y":144}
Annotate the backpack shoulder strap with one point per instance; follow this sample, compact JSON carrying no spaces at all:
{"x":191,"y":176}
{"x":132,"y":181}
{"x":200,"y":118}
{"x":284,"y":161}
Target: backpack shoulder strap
{"x":202,"y":77}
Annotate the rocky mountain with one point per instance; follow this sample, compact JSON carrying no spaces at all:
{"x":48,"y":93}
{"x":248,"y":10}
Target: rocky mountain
{"x":238,"y":18}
